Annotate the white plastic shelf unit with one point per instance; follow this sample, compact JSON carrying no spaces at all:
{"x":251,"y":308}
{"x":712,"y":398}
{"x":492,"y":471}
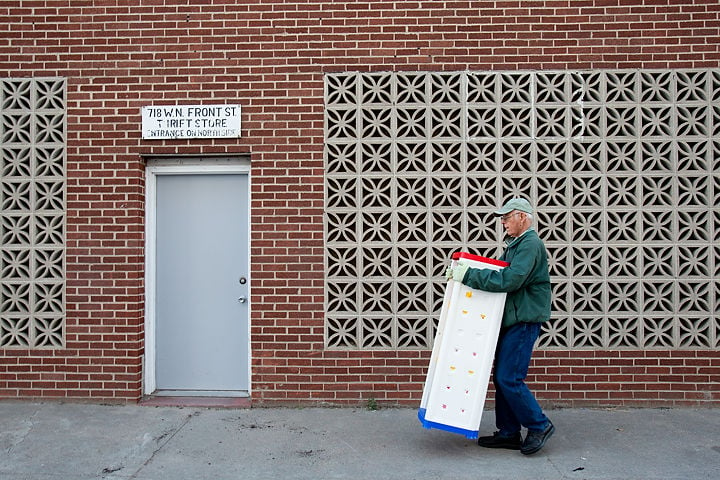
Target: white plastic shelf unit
{"x":462,"y":357}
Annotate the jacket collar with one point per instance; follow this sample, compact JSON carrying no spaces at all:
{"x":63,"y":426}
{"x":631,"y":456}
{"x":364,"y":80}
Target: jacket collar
{"x":515,"y":240}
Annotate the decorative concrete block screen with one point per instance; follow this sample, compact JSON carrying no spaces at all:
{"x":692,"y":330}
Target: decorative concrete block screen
{"x":623,"y":166}
{"x":32,"y":212}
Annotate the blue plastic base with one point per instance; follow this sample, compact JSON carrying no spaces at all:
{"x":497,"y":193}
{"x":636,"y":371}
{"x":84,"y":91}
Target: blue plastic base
{"x":471,"y":434}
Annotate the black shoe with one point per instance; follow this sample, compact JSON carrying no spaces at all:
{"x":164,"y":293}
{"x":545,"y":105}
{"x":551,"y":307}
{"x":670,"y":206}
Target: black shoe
{"x":534,"y":441}
{"x":513,"y":442}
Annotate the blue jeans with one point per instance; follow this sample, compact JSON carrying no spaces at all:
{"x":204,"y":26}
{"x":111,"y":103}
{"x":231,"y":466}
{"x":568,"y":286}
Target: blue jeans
{"x":515,"y":405}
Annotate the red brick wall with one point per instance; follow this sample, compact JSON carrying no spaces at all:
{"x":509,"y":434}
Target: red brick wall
{"x":270,"y":56}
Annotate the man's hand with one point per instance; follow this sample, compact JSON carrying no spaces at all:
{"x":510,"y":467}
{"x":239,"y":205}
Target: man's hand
{"x":457,"y":272}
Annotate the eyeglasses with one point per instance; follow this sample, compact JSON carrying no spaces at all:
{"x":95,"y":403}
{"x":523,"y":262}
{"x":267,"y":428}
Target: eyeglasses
{"x":508,"y":216}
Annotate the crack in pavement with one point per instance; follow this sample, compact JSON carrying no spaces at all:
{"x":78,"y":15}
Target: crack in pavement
{"x":166,"y":437}
{"x":18,"y":436}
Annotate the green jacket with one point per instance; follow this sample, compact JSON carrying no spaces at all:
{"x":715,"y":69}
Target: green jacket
{"x":526,"y":280}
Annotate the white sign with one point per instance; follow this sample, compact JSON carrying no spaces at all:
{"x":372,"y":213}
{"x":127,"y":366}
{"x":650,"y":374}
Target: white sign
{"x":190,"y":121}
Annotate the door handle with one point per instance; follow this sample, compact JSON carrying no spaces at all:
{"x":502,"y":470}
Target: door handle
{"x":242,"y":299}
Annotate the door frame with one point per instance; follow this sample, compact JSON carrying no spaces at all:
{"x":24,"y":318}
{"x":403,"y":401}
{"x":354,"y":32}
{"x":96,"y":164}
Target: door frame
{"x":181,"y":166}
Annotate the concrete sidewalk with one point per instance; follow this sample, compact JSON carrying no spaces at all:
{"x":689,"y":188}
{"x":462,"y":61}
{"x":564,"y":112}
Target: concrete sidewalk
{"x":53,"y":441}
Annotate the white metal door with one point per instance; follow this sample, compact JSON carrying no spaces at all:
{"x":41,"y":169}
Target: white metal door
{"x":201,"y":284}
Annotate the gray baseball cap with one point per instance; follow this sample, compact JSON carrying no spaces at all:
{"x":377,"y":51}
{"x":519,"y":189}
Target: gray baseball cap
{"x":519,"y":204}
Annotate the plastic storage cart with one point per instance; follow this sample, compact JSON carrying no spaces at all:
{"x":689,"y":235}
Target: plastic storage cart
{"x":463,"y":352}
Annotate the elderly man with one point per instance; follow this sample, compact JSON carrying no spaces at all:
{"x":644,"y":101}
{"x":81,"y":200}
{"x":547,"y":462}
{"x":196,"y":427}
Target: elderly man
{"x":527,"y":306}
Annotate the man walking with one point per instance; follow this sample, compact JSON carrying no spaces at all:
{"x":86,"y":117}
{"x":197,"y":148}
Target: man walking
{"x":527,"y":283}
